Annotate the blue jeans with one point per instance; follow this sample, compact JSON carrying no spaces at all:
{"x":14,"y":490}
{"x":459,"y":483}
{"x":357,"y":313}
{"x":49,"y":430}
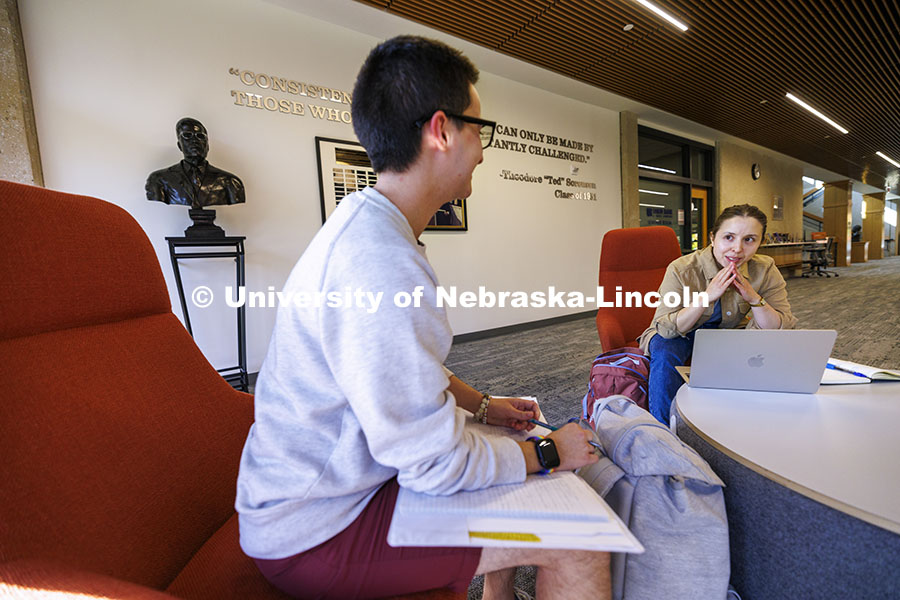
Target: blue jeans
{"x":665,"y":355}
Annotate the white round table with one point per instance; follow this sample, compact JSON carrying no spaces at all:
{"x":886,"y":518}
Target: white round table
{"x":812,"y":486}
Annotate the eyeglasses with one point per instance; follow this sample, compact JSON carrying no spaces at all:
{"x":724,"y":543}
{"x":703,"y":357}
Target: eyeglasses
{"x":485,"y":128}
{"x":189,"y":135}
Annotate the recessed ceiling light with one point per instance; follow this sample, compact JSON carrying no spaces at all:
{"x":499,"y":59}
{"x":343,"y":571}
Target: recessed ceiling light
{"x":654,"y":193}
{"x":663,"y":14}
{"x":628,"y":27}
{"x":763,"y":101}
{"x":816,"y":112}
{"x":889,"y":159}
{"x":651,"y":205}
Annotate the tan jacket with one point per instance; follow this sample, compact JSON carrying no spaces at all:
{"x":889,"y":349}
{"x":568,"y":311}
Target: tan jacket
{"x":696,"y":270}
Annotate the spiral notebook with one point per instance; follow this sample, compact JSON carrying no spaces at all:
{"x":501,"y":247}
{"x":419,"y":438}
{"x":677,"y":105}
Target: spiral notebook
{"x":559,"y":510}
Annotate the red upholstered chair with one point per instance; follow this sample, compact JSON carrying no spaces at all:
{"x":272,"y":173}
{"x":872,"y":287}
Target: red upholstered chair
{"x":635,"y":259}
{"x":120,"y":443}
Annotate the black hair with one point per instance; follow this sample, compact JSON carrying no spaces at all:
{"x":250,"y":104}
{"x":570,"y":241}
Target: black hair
{"x":403,"y":80}
{"x":740,"y":210}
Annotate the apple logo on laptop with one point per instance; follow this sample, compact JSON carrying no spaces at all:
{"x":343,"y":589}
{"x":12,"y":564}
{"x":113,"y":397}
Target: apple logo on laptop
{"x":756,"y":361}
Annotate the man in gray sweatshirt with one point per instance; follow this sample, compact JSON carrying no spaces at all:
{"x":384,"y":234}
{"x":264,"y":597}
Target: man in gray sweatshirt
{"x":353,"y":400}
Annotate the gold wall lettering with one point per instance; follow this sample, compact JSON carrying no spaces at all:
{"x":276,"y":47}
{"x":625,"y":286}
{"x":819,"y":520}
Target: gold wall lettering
{"x":537,"y":143}
{"x":544,"y":139}
{"x":273,"y":83}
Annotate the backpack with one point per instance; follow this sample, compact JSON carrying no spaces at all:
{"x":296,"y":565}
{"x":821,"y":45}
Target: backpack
{"x":624,"y":371}
{"x":669,"y":498}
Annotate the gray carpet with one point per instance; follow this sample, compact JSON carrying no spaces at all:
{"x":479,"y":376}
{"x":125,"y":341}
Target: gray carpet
{"x":553,"y":362}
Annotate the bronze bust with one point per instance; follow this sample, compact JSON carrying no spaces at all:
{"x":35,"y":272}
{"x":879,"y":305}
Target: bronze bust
{"x":194,"y":182}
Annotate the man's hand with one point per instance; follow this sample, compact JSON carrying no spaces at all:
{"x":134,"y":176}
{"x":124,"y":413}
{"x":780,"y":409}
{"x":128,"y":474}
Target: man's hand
{"x":512,"y":412}
{"x":573,"y":447}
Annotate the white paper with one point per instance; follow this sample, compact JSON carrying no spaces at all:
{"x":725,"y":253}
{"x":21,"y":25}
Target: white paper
{"x":871,"y":372}
{"x":556,"y":496}
{"x":559,"y":510}
{"x":835,"y":377}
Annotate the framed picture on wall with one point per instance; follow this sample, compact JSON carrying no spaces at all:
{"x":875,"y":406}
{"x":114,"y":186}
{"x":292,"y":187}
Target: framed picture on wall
{"x":778,"y":208}
{"x":344,"y":168}
{"x":450,"y":216}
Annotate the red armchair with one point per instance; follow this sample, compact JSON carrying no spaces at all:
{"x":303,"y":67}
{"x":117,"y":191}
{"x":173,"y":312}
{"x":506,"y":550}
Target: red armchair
{"x":120,"y":443}
{"x":635,"y":259}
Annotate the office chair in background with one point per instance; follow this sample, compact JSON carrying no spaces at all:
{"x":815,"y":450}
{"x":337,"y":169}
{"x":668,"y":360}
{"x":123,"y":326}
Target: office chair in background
{"x":820,"y":255}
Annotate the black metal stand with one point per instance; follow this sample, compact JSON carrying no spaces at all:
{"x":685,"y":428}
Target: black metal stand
{"x":236,"y":376}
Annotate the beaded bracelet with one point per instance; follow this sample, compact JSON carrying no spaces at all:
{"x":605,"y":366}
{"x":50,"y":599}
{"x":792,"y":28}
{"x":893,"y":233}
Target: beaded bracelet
{"x":481,"y":415}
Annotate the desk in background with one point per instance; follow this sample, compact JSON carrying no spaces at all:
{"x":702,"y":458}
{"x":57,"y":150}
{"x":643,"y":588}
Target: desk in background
{"x":859,"y":252}
{"x":812,"y":486}
{"x":788,"y":256}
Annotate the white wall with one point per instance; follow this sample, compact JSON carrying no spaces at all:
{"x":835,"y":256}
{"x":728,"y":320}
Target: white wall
{"x":111,"y":78}
{"x":856,"y":209}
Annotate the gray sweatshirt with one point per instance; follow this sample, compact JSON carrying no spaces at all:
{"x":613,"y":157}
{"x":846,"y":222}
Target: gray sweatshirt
{"x":351,"y":395}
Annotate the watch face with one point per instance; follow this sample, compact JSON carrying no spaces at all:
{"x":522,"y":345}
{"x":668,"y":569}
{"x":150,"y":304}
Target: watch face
{"x":547,"y":454}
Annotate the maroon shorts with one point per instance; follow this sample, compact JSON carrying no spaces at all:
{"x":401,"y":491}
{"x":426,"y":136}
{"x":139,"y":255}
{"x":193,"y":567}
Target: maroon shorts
{"x":358,"y":563}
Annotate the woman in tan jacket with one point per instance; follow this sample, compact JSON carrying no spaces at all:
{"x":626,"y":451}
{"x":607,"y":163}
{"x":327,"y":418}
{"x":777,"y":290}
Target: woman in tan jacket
{"x":745,"y":290}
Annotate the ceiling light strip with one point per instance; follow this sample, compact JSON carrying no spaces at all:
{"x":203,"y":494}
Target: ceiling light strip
{"x":815,"y":112}
{"x":889,"y":159}
{"x":663,"y":14}
{"x":656,"y":169}
{"x":654,"y":193}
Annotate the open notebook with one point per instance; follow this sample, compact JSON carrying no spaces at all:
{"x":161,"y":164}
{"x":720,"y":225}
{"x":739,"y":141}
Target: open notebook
{"x":559,"y":510}
{"x":845,"y":371}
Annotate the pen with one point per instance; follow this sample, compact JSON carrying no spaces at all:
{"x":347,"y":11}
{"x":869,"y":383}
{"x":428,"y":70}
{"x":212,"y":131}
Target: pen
{"x":837,"y":368}
{"x":552,"y":428}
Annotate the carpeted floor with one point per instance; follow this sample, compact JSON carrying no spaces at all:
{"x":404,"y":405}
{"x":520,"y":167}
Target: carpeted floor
{"x":552,"y":362}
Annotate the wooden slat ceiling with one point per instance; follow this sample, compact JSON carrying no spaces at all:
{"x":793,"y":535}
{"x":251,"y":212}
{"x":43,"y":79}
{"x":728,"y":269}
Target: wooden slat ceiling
{"x":729,"y":71}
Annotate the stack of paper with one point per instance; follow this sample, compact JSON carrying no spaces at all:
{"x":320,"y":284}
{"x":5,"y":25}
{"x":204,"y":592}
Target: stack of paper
{"x":550,"y":511}
{"x":559,"y":510}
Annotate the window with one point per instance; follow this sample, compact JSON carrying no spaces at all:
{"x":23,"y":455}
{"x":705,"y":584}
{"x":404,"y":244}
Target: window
{"x":675,"y":185}
{"x":662,"y":203}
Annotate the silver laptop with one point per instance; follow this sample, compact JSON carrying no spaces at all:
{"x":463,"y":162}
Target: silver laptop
{"x":770,"y":360}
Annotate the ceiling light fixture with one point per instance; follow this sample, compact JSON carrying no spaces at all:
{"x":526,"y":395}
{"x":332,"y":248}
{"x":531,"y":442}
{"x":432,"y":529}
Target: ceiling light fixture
{"x":889,"y":159}
{"x":654,"y":193}
{"x":817,"y":113}
{"x":651,"y":205}
{"x":628,"y":27}
{"x":656,"y":169}
{"x":663,"y":14}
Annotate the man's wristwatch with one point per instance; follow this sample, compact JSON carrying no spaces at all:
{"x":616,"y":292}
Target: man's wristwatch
{"x":547,"y":455}
{"x":762,"y":302}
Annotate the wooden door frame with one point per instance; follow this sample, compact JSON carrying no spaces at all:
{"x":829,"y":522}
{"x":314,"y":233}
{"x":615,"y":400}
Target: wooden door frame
{"x":703,"y":194}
